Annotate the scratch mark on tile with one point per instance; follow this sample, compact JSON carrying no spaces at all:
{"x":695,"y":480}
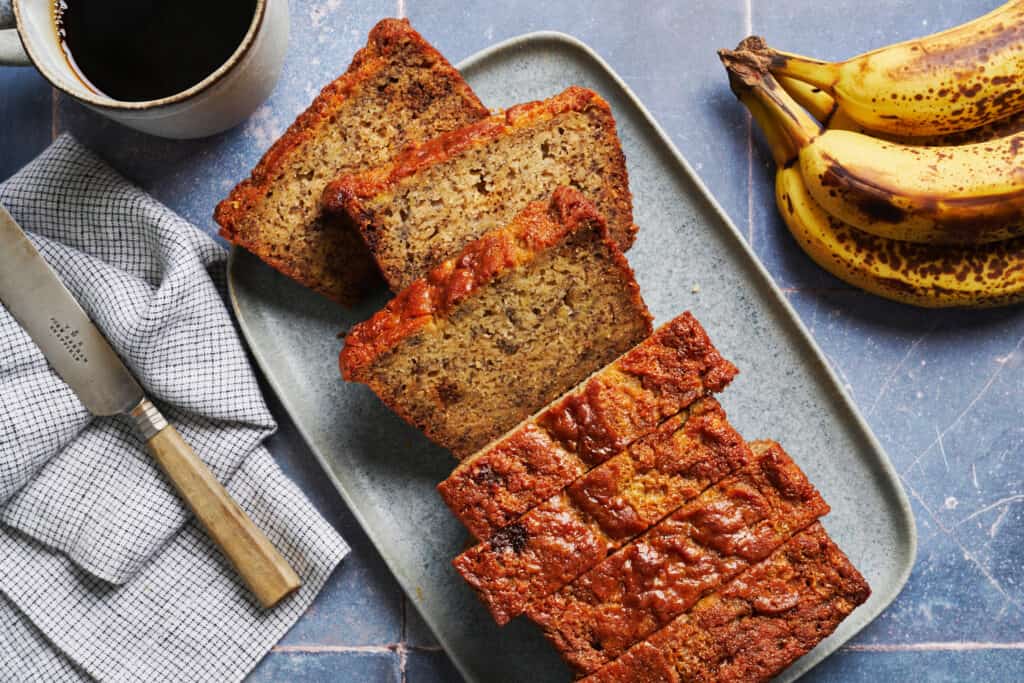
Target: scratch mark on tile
{"x":994,"y":529}
{"x":942,"y":448}
{"x":847,"y":384}
{"x":974,"y":476}
{"x":892,"y":375}
{"x":319,"y":13}
{"x":1002,"y":501}
{"x":968,"y":409}
{"x":967,"y":554}
{"x":264,"y":126}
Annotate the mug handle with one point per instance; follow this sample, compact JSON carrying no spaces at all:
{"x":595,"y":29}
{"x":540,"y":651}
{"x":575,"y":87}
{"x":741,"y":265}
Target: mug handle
{"x":12,"y":53}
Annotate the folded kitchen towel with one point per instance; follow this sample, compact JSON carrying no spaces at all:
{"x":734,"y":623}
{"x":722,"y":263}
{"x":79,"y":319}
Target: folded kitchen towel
{"x":101,"y":572}
{"x":149,"y":280}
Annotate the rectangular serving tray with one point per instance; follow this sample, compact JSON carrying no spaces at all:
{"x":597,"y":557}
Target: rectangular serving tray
{"x":386,"y":471}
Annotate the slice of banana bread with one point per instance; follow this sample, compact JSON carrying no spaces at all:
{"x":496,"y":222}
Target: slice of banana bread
{"x":736,"y":523}
{"x":494,"y":334}
{"x":557,"y":541}
{"x":433,"y":199}
{"x":397,"y":90}
{"x":623,"y":402}
{"x":752,"y":629}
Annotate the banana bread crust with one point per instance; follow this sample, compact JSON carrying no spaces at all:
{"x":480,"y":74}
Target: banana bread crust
{"x":538,"y":227}
{"x":369,"y":60}
{"x":557,"y":541}
{"x":425,"y":307}
{"x":347,"y":193}
{"x":733,"y":525}
{"x":619,"y":404}
{"x":757,"y":625}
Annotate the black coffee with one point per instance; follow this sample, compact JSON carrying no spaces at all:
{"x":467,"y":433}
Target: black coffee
{"x":137,"y":50}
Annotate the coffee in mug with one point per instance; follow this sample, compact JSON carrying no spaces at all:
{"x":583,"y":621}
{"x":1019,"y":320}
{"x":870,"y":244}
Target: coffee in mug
{"x":138,"y":50}
{"x":174,"y":68}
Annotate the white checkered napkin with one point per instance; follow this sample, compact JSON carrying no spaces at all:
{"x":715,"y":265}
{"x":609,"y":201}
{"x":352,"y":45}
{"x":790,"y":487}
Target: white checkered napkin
{"x":184,"y":618}
{"x":101,"y":575}
{"x":152,"y":283}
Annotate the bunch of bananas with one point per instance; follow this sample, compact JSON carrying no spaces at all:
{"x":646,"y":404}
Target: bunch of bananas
{"x":901,"y":171}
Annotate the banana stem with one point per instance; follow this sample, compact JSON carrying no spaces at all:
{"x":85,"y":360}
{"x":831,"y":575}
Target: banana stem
{"x":782,"y":147}
{"x":795,"y":122}
{"x":814,"y":71}
{"x":786,"y":125}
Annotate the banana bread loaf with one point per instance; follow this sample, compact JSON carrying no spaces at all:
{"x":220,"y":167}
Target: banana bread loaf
{"x":494,"y":334}
{"x":557,"y":541}
{"x":626,"y":400}
{"x":752,"y":629}
{"x":736,"y":523}
{"x":433,"y":199}
{"x":397,"y":90}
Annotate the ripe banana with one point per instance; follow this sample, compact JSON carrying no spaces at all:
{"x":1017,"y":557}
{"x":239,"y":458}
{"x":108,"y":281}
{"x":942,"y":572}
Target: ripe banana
{"x":968,"y":194}
{"x":823,"y":107}
{"x":819,"y":103}
{"x":919,"y":274}
{"x":955,"y":80}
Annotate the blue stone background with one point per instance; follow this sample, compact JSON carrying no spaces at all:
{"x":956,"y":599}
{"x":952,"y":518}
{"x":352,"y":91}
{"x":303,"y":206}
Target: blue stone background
{"x":944,"y":391}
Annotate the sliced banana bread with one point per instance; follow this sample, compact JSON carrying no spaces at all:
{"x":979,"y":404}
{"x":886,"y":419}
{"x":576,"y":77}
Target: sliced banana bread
{"x":428,"y":203}
{"x":494,"y":334}
{"x":753,"y":628}
{"x":626,"y":400}
{"x":556,"y":541}
{"x":397,"y":90}
{"x":736,"y":523}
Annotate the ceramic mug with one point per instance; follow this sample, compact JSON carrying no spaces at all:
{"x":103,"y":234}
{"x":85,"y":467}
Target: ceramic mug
{"x":223,"y":99}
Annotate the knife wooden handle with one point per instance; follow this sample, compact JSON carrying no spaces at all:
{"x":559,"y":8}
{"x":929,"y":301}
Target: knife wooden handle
{"x":267,"y":574}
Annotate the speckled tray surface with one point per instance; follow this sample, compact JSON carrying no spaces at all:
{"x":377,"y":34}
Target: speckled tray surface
{"x":688,"y":256}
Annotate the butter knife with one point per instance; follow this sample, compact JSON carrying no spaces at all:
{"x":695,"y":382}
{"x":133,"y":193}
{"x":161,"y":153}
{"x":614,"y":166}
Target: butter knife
{"x":83,"y":358}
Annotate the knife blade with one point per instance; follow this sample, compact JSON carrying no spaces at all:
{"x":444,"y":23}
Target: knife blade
{"x":74,"y":347}
{"x":79,"y":353}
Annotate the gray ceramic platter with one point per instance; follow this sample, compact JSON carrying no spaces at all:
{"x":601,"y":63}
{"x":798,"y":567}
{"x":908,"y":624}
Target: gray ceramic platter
{"x":688,"y":256}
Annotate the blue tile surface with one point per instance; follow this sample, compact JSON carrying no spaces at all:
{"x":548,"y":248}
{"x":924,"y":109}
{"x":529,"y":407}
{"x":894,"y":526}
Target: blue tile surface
{"x":351,"y":666}
{"x":943,"y":391}
{"x":429,"y":665}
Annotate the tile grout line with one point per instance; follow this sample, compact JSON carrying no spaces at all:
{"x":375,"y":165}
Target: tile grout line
{"x":403,"y":656}
{"x":378,"y":649}
{"x":867,"y":647}
{"x":953,"y":646}
{"x":748,"y":29}
{"x":54,"y":113}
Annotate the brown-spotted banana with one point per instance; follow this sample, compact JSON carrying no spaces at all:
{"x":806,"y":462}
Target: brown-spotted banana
{"x":951,"y":81}
{"x":918,"y":274}
{"x":966,"y":194}
{"x":822,"y":106}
